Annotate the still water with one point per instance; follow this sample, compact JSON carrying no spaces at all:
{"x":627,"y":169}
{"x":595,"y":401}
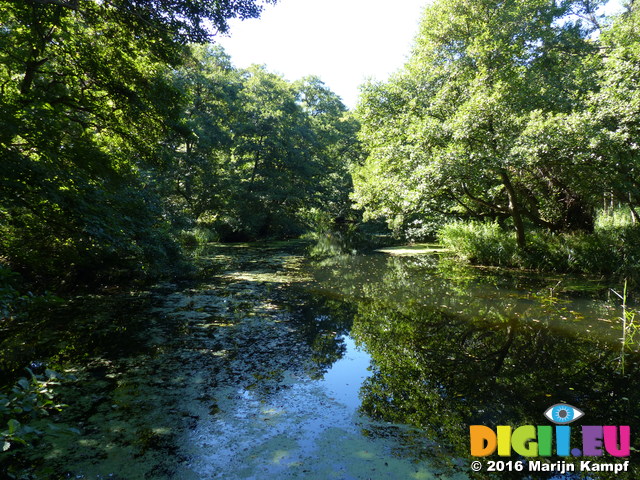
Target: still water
{"x":275,"y":365}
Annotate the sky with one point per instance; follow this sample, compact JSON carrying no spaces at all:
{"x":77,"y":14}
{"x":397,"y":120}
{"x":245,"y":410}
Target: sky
{"x":344,"y":42}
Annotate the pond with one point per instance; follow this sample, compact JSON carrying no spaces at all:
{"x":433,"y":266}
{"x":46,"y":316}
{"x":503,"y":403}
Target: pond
{"x":276,"y":365}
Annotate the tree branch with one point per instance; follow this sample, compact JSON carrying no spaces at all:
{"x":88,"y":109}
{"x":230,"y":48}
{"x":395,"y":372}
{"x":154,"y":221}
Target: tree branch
{"x":491,"y":206}
{"x":71,"y":4}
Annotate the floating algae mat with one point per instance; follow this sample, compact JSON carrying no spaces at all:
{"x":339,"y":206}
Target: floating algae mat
{"x":278,"y":366}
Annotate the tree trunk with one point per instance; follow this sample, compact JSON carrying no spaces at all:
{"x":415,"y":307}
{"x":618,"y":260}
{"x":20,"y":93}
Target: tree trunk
{"x":31,"y":70}
{"x":255,"y":170}
{"x":514,"y":209}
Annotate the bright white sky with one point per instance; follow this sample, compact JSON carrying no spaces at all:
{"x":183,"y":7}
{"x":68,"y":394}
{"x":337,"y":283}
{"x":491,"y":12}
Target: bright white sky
{"x":343,"y":42}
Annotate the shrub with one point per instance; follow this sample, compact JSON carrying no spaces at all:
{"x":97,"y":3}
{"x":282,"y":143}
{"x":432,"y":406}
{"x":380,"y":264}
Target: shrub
{"x":197,"y":236}
{"x":482,"y":243}
{"x":612,"y":250}
{"x":29,"y":399}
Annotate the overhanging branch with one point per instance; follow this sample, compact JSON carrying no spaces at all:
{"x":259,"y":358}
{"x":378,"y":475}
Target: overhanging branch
{"x":72,"y":4}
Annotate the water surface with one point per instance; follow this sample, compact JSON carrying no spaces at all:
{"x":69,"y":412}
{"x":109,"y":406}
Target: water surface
{"x":276,"y":365}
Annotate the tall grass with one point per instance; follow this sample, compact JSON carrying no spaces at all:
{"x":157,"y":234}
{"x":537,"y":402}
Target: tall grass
{"x":197,"y":236}
{"x":613,"y":249}
{"x":480,"y":243}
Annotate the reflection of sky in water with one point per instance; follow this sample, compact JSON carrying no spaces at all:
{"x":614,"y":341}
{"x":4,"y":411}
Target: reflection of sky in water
{"x":305,"y":429}
{"x":308,"y":429}
{"x":344,"y":379}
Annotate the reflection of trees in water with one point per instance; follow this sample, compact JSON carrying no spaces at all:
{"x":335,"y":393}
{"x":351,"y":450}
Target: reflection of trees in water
{"x":454,"y":346}
{"x":443,"y":372}
{"x":322,"y":322}
{"x":461,"y":288}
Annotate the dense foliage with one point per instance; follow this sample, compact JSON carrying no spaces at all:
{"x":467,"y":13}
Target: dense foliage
{"x":525,"y":113}
{"x":125,"y":137}
{"x":121,"y":142}
{"x":613,"y":249}
{"x":256,"y":155}
{"x":115,"y":135}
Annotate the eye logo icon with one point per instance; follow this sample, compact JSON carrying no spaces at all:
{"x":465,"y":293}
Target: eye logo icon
{"x":563,"y":414}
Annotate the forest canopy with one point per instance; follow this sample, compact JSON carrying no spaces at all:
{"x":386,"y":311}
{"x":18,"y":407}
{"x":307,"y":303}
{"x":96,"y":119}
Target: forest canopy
{"x":118,"y":134}
{"x":520,"y":112}
{"x":126,"y":135}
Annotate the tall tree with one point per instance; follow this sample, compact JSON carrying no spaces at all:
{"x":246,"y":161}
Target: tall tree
{"x":84,"y":108}
{"x":615,"y":109}
{"x":255,"y":153}
{"x":442,"y":131}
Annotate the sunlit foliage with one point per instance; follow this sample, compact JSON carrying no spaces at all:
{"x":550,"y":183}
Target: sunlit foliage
{"x":519,"y":112}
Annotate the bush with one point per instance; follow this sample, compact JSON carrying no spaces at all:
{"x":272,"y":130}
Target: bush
{"x":25,"y":418}
{"x":612,"y":219}
{"x":197,"y":236}
{"x":28,"y":400}
{"x":612,"y":250}
{"x":481,"y":243}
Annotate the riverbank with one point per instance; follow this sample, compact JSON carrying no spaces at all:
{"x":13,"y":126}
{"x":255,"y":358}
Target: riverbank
{"x":612,"y":250}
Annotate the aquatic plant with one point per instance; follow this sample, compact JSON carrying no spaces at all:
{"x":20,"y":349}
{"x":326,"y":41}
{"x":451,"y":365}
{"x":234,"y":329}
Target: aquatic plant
{"x":629,"y":327}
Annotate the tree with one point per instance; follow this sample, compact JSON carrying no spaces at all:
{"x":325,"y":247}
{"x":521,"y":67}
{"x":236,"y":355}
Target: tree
{"x":615,"y":110}
{"x":85,"y":106}
{"x":443,"y":132}
{"x":254,"y":153}
{"x":335,"y":148}
{"x":201,"y":142}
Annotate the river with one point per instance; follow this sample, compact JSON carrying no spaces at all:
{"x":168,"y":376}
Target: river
{"x":276,"y":365}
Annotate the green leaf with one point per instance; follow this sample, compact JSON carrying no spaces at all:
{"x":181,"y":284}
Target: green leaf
{"x":13,"y":425}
